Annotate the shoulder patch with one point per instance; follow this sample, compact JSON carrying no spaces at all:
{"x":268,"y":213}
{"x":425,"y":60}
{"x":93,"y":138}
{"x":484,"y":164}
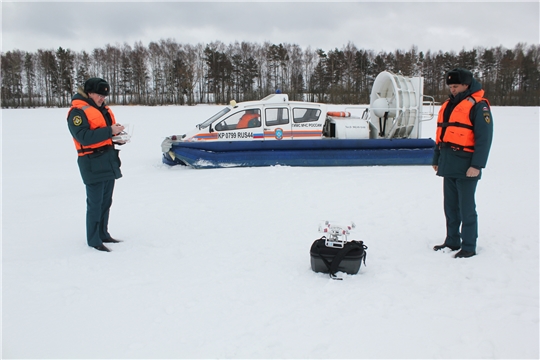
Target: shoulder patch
{"x":487,"y":117}
{"x":77,"y":120}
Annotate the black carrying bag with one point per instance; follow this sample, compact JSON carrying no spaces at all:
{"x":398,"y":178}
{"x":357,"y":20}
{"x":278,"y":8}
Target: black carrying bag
{"x":331,"y":259}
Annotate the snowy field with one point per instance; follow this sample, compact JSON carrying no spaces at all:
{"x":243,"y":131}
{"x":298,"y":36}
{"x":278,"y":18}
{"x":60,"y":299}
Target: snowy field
{"x":215,"y":263}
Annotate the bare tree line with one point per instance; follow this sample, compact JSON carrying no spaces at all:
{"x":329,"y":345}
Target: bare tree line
{"x":169,"y":73}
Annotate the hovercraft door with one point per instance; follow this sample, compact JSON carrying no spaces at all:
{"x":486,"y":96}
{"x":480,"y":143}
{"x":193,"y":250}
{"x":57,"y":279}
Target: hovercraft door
{"x":277,"y":123}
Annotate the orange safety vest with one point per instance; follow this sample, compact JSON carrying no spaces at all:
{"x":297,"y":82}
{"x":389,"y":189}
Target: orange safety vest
{"x":96,"y":120}
{"x":458,"y":132}
{"x":244,"y":121}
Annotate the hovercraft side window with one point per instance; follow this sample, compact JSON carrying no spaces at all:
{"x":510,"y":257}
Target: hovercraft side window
{"x":306,"y":115}
{"x":276,"y":116}
{"x":241,"y":120}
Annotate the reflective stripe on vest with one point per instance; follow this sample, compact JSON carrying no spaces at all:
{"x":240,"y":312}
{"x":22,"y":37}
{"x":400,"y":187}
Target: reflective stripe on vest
{"x":96,"y":120}
{"x":458,"y":131}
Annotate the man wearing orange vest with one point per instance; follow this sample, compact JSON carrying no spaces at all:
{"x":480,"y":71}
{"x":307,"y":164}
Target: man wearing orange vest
{"x":92,"y":125}
{"x":244,"y":122}
{"x":464,"y":135}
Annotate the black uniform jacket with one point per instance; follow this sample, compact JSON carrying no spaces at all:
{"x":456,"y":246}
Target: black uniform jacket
{"x":101,"y":165}
{"x":455,"y":163}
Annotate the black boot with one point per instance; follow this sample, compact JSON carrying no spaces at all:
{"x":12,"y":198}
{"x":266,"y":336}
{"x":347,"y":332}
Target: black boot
{"x":440,"y":247}
{"x":111,"y":240}
{"x":464,"y":254}
{"x":102,"y":248}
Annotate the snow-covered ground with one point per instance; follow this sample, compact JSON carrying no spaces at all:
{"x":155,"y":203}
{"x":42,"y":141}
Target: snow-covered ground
{"x":216,"y":264}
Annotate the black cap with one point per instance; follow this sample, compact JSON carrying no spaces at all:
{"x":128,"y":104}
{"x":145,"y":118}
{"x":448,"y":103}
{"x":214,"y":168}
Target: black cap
{"x":97,"y":86}
{"x":459,"y":76}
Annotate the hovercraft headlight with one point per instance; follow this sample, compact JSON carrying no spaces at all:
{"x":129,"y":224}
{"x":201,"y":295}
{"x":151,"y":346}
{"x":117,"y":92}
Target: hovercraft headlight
{"x":177,"y":137}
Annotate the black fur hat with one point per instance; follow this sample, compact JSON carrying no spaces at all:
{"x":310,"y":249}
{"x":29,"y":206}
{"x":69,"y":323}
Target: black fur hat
{"x":459,"y":76}
{"x":97,"y":85}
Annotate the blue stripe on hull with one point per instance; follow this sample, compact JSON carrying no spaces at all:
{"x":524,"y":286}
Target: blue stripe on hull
{"x":257,"y":145}
{"x":298,"y":153}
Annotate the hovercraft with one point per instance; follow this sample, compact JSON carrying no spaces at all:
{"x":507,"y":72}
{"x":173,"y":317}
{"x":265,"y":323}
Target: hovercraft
{"x":276,"y":131}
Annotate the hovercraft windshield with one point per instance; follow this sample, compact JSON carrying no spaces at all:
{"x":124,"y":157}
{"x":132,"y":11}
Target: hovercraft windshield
{"x":213,"y":118}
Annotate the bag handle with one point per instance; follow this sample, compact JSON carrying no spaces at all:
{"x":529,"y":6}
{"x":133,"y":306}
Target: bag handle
{"x":347,"y":248}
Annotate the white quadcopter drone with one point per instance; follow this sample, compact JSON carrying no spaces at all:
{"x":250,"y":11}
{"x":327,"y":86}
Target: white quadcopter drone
{"x":337,"y":233}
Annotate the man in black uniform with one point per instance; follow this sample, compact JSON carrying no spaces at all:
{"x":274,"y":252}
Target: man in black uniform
{"x":464,"y":135}
{"x":92,"y":125}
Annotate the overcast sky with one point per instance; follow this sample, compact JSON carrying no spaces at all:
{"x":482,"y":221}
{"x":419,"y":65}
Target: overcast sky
{"x":378,"y":26}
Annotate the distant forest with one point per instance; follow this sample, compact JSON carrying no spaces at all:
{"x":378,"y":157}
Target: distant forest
{"x":169,"y":73}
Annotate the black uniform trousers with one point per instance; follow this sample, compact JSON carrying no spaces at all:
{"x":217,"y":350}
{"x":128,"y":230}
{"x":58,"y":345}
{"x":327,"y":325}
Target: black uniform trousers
{"x":98,"y":204}
{"x":460,"y":212}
